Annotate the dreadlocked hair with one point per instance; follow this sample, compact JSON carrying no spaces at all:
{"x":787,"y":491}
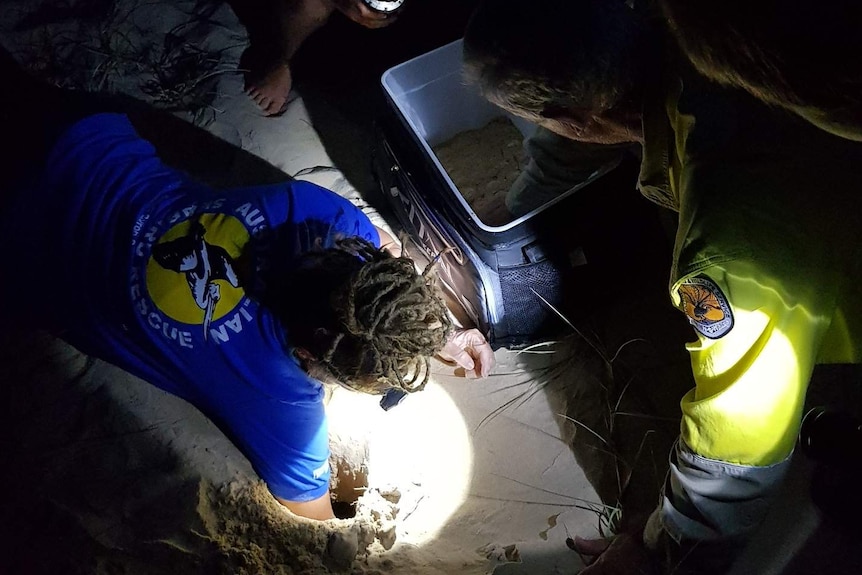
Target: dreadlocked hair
{"x":370,"y":318}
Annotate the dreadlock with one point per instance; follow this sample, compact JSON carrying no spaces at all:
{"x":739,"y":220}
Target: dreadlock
{"x":369,"y":317}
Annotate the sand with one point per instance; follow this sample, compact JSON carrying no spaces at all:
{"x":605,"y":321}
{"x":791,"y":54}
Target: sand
{"x":105,"y":474}
{"x":483,"y":164}
{"x":115,"y":475}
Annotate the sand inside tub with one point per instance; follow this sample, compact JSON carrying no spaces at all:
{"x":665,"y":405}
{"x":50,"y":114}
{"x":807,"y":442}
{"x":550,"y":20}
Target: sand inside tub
{"x":483,"y":164}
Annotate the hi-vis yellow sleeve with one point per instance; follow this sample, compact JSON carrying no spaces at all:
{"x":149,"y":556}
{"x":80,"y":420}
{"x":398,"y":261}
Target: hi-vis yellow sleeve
{"x":752,"y":361}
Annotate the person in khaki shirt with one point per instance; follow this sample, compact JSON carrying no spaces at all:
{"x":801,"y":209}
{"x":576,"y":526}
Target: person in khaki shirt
{"x":765,"y":264}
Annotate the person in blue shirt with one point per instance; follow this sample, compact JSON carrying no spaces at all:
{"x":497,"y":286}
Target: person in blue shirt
{"x":244,"y":302}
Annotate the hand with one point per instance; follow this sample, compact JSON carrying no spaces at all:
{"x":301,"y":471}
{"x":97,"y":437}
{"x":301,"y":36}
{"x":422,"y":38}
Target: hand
{"x":357,"y":11}
{"x":469,"y":349}
{"x":621,"y":554}
{"x":270,"y":93}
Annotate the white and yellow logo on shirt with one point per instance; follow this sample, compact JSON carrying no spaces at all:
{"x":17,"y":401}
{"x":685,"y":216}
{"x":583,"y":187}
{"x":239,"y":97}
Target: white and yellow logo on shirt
{"x":706,"y":307}
{"x":192,"y":275}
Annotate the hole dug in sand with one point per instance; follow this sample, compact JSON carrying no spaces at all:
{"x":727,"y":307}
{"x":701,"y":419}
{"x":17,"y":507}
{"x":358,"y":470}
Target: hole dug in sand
{"x":349,"y":463}
{"x":374,"y":509}
{"x":399,"y":474}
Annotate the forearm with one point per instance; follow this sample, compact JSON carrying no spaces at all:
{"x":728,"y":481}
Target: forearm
{"x":319,"y":509}
{"x":557,"y":165}
{"x":708,"y":511}
{"x":388,"y":243}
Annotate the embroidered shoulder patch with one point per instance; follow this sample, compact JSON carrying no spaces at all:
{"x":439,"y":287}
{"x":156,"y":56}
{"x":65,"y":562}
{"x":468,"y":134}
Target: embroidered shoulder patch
{"x":706,"y":307}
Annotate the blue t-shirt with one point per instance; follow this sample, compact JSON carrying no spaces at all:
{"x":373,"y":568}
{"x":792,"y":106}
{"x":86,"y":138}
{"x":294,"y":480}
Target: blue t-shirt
{"x":140,"y":265}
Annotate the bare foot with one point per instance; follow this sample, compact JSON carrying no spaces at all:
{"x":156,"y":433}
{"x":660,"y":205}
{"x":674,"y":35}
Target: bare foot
{"x":270,"y":92}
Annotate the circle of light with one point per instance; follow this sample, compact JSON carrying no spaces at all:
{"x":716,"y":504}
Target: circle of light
{"x":422,"y":447}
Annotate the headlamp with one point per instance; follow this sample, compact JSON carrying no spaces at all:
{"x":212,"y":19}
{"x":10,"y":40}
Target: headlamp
{"x":392,"y":397}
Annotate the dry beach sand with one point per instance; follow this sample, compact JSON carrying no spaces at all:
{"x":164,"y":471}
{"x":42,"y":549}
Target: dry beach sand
{"x":107,"y":474}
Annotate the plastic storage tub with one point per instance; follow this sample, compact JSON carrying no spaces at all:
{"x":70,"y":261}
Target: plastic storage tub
{"x":431,"y":96}
{"x":508,"y":280}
